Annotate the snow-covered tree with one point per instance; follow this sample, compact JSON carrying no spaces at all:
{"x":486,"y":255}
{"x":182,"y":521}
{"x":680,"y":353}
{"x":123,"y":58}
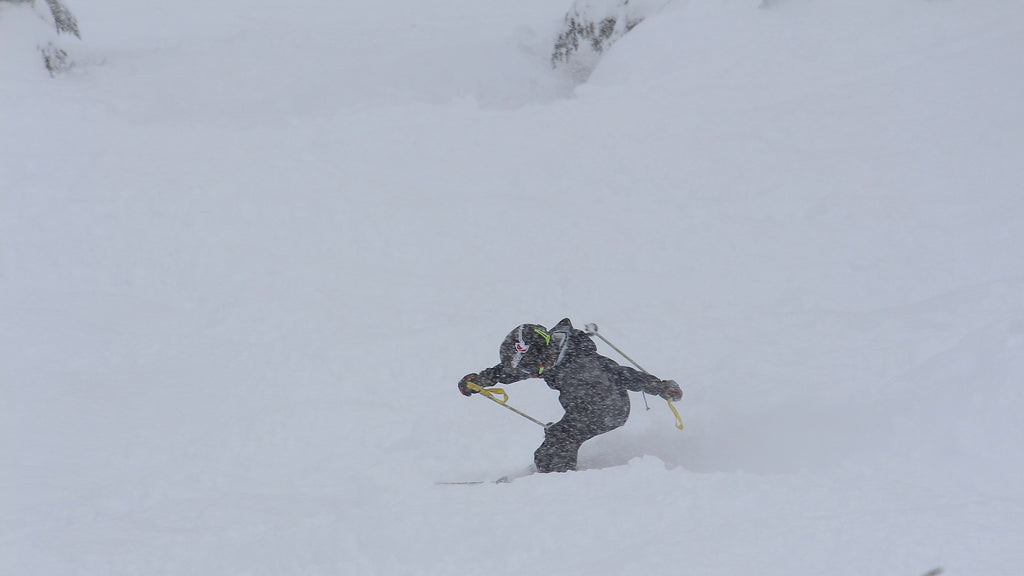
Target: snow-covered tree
{"x":55,"y":58}
{"x":63,"y":19}
{"x":591,"y":27}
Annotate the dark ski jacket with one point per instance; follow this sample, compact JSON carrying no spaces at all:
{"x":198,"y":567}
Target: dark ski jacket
{"x":590,"y":385}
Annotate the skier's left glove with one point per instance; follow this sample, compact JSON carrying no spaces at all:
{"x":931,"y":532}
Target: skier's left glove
{"x":463,"y":384}
{"x":670,"y":390}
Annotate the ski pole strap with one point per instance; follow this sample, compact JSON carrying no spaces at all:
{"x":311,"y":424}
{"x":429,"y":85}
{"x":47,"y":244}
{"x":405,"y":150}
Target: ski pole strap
{"x":679,"y":421}
{"x":492,"y":393}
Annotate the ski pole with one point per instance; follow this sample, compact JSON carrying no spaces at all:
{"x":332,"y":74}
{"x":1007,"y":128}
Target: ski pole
{"x":592,"y":329}
{"x":492,"y":393}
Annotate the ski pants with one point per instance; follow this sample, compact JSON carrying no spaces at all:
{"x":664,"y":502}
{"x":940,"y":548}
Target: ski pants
{"x":562,"y":440}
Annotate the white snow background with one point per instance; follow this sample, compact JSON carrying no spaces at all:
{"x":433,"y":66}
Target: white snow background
{"x":250,"y":247}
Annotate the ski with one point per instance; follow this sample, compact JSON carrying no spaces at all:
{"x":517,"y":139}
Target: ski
{"x":506,"y":479}
{"x":502,"y":480}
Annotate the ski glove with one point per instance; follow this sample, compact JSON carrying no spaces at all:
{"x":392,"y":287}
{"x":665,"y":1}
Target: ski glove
{"x":466,"y":380}
{"x":670,"y":390}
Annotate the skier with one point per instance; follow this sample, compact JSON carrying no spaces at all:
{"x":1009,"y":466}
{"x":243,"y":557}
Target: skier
{"x":592,"y":388}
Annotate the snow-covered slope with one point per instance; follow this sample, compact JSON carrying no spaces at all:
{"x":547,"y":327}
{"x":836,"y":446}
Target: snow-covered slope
{"x":248,"y":250}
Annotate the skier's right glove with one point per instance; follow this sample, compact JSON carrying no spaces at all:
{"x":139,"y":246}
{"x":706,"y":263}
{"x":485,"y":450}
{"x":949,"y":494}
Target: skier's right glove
{"x":463,"y":384}
{"x":671,"y":390}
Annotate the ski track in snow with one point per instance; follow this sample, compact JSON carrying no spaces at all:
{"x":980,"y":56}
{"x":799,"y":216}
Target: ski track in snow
{"x":249,"y":249}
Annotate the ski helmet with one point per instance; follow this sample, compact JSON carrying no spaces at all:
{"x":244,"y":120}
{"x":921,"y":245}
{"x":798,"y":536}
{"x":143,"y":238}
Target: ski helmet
{"x":524,"y":349}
